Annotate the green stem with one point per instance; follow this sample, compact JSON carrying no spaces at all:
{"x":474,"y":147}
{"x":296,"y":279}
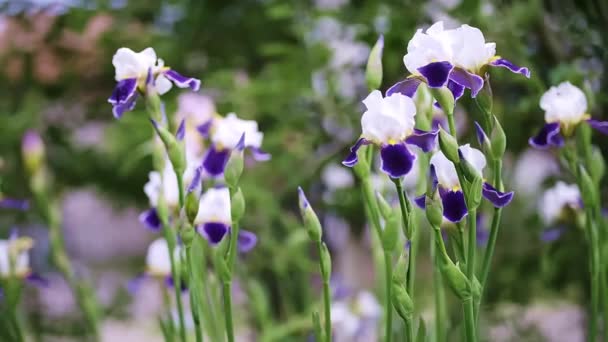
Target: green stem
{"x":176,"y":281}
{"x":469,"y":319}
{"x":326,"y":297}
{"x":409,"y":329}
{"x":228,"y":311}
{"x":180,"y":186}
{"x":595,"y":276}
{"x":405,"y":204}
{"x":439,"y":297}
{"x":472,"y":245}
{"x":388,"y":266}
{"x":194,"y":291}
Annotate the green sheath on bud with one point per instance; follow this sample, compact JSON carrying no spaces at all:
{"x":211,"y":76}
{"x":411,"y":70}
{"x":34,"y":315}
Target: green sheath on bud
{"x":237,"y":205}
{"x":362,"y":169}
{"x":434,"y":211}
{"x":162,"y":210}
{"x":456,"y":280}
{"x":498,"y":140}
{"x":448,"y":146}
{"x":221,"y":266}
{"x":175,"y":149}
{"x":187,"y":235}
{"x":311,"y":221}
{"x":373,"y":74}
{"x":385,"y":209}
{"x":400,"y":274}
{"x":485,"y":99}
{"x":192,"y":205}
{"x":402,"y":302}
{"x":325,"y":261}
{"x":445,"y":98}
{"x":475,"y":193}
{"x":597,"y":165}
{"x":390,"y":234}
{"x":588,"y":188}
{"x":234,"y":169}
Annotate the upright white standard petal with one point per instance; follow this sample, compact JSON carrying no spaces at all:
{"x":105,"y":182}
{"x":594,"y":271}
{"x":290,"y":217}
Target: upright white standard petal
{"x":565,"y":103}
{"x":131,"y":64}
{"x":470,"y":49}
{"x":20,"y":257}
{"x":445,"y":170}
{"x":214,"y":206}
{"x":158,"y":262}
{"x":165,"y":184}
{"x":426,"y":47}
{"x":556,"y":199}
{"x":387,"y":119}
{"x":228,"y":132}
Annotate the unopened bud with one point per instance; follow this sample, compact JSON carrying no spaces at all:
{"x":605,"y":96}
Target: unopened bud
{"x":597,"y":165}
{"x":588,"y":188}
{"x":32,"y":148}
{"x":448,"y":146}
{"x":484,"y":97}
{"x":362,"y":168}
{"x":187,"y":235}
{"x":390,"y":234}
{"x":385,"y":209}
{"x":175,"y":149}
{"x":373,"y":74}
{"x":434,"y":211}
{"x":311,"y":221}
{"x":445,"y":98}
{"x":456,"y":280}
{"x":325,"y":257}
{"x":499,"y":139}
{"x":237,"y":205}
{"x":192,"y":205}
{"x":234,"y":167}
{"x":402,"y":302}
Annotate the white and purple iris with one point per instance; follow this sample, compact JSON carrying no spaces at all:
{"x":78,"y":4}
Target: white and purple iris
{"x":455,"y":58}
{"x":355,"y":318}
{"x":226,"y":135}
{"x":444,"y":176}
{"x":139,"y":71}
{"x":214,"y":219}
{"x":388,"y":123}
{"x":553,"y":206}
{"x":15,"y":260}
{"x":565,"y":107}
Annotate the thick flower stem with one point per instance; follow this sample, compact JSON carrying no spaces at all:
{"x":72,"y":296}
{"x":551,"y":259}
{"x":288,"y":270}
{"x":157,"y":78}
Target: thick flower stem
{"x":372,"y":205}
{"x":194,"y":291}
{"x":472,"y":245}
{"x":405,"y":206}
{"x":180,"y":187}
{"x":469,"y":319}
{"x":177,"y":284}
{"x":487,"y":260}
{"x":228,"y":310}
{"x":439,"y":297}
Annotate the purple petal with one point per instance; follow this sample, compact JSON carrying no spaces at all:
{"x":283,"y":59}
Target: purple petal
{"x":204,"y":128}
{"x":406,"y":87}
{"x":119,"y":109}
{"x":456,"y":89}
{"x":551,"y":234}
{"x":600,"y":126}
{"x":37,"y":280}
{"x":549,"y":136}
{"x":482,"y":138}
{"x":352,"y":159}
{"x":423,"y":139}
{"x":150,"y":80}
{"x":302,"y":200}
{"x":433,"y":178}
{"x":196,"y":179}
{"x":181,"y":131}
{"x":150,"y":219}
{"x":124,"y":91}
{"x":214,"y":232}
{"x":436,"y":73}
{"x":259,"y":154}
{"x":501,"y":62}
{"x":397,"y":160}
{"x":16,"y":204}
{"x":240,"y":145}
{"x":246,"y":241}
{"x":170,"y":283}
{"x":482,"y":235}
{"x":439,"y":121}
{"x":134,"y":284}
{"x":498,"y":199}
{"x":183,"y":81}
{"x":420,"y":201}
{"x":454,"y":206}
{"x":467,"y":80}
{"x":215,"y":160}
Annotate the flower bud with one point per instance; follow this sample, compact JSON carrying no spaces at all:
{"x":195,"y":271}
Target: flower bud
{"x":434,"y":211}
{"x":174,"y":149}
{"x":448,"y":146}
{"x":316,"y":324}
{"x":162,"y":210}
{"x":237,"y":205}
{"x":325,"y":257}
{"x":424,"y":106}
{"x":474,"y":195}
{"x":400,"y":274}
{"x":588,"y":188}
{"x":445,"y":98}
{"x":192,"y":205}
{"x":402,"y":302}
{"x":483,"y":140}
{"x":484,"y":98}
{"x":390,"y":234}
{"x":597,"y":166}
{"x":456,"y":280}
{"x":32,"y":148}
{"x":469,"y":172}
{"x":373,"y":73}
{"x":311,"y":221}
{"x":187,"y":235}
{"x":234,"y":167}
{"x":499,"y":140}
{"x":583,"y":136}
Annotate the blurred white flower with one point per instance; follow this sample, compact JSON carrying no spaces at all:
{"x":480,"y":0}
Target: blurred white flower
{"x":565,"y":103}
{"x":14,"y":257}
{"x":558,"y":198}
{"x":158,"y":261}
{"x":531,"y":170}
{"x":228,"y":131}
{"x":214,"y":206}
{"x":330,"y":4}
{"x":355,"y":319}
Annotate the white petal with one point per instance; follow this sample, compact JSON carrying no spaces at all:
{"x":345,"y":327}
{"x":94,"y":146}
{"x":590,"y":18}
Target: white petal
{"x":162,"y":84}
{"x":554,"y":201}
{"x":446,"y":172}
{"x":126,"y":63}
{"x":389,"y":118}
{"x":170,"y":188}
{"x":214,"y":206}
{"x":158,"y":261}
{"x":470,"y":48}
{"x":153,"y":187}
{"x":228,"y":132}
{"x":425,"y":48}
{"x":474,"y":156}
{"x":565,"y":103}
